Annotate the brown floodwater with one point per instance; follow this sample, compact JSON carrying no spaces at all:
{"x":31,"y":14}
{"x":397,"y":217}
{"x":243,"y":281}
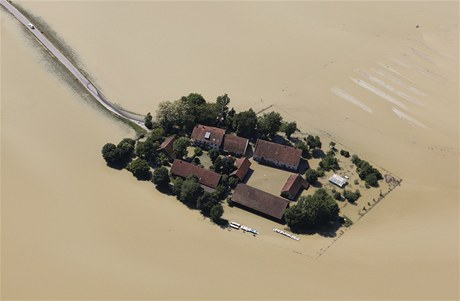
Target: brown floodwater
{"x":361,"y":73}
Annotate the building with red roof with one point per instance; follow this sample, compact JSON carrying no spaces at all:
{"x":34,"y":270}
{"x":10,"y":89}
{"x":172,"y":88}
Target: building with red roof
{"x":242,"y":167}
{"x":260,"y":202}
{"x":167,"y":147}
{"x":207,"y":136}
{"x":278,"y":155}
{"x":205,"y":176}
{"x":294,"y":184}
{"x":235,"y":145}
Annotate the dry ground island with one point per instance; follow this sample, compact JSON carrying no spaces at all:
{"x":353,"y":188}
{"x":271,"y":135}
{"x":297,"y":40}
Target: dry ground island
{"x":380,"y":79}
{"x":206,"y":154}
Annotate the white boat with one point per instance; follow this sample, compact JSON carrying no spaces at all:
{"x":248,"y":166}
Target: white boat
{"x":235,"y":225}
{"x":286,"y":234}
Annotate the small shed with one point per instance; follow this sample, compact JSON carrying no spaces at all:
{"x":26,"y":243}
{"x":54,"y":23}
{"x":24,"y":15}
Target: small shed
{"x":338,"y":180}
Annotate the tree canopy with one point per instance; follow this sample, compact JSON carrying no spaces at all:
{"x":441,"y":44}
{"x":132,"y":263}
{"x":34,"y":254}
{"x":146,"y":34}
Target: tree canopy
{"x":190,"y":191}
{"x":290,"y":128}
{"x":216,"y":212}
{"x":351,"y":196}
{"x":213,"y":154}
{"x":161,"y":177}
{"x":329,"y":162}
{"x":118,"y":155}
{"x":148,"y":121}
{"x":224,"y":165}
{"x":269,"y":124}
{"x":313,"y":142}
{"x":205,"y":203}
{"x":244,"y":124}
{"x":140,"y":169}
{"x":180,"y":147}
{"x":311,"y":176}
{"x":312,"y":211}
{"x":184,"y":113}
{"x":147,"y":150}
{"x":366,"y":171}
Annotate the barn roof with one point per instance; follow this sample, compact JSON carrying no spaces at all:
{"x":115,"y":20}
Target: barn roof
{"x":260,"y":201}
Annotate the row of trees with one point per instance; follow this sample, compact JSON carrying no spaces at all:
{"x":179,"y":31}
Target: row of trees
{"x":366,"y":171}
{"x":183,"y":114}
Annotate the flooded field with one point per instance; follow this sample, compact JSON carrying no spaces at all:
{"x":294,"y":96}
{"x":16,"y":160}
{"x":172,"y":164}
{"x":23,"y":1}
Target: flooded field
{"x":381,"y":79}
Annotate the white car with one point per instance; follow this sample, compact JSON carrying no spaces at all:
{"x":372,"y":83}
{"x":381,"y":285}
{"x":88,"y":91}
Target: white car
{"x":347,"y":177}
{"x":31,"y":26}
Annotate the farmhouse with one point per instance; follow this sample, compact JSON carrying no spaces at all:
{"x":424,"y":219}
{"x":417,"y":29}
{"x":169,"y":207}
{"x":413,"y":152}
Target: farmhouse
{"x":338,"y":180}
{"x":205,"y":176}
{"x":235,"y":145}
{"x":242,"y":168}
{"x":167,"y":147}
{"x":277,"y":154}
{"x":294,"y":185}
{"x":207,"y":136}
{"x":260,"y":202}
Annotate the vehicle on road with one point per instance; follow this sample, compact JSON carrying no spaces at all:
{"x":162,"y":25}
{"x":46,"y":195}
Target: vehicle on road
{"x":31,"y":26}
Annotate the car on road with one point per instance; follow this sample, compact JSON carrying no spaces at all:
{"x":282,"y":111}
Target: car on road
{"x":31,"y":26}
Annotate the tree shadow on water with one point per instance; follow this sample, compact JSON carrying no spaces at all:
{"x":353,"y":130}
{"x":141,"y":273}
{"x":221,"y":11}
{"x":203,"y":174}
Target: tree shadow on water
{"x":329,"y":230}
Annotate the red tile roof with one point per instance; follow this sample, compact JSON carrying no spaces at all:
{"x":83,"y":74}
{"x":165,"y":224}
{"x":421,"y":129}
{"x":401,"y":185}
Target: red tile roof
{"x":242,"y":168}
{"x":293,"y":185}
{"x":216,"y":135}
{"x":277,"y":152}
{"x":167,"y":146}
{"x":260,"y":201}
{"x":205,"y":176}
{"x":235,"y":144}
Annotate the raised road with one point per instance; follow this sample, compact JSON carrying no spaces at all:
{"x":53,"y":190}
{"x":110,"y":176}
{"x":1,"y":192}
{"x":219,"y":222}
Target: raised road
{"x":139,"y":120}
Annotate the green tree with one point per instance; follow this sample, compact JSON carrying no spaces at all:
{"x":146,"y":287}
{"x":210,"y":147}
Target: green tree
{"x":351,"y":196}
{"x":303,"y":147}
{"x":213,"y":154}
{"x":147,"y":150}
{"x":233,"y":181}
{"x":312,"y":211}
{"x":169,"y":114}
{"x":224,"y":165}
{"x":157,"y":135}
{"x":290,"y":129}
{"x":329,"y":162}
{"x":118,"y":155}
{"x":198,"y":151}
{"x":269,"y":124}
{"x":148,"y":121}
{"x":313,"y":142}
{"x":311,"y":176}
{"x":345,"y":153}
{"x":161,"y":177}
{"x":180,"y":147}
{"x":244,"y":124}
{"x":110,"y":154}
{"x":205,"y":203}
{"x":332,"y":145}
{"x":371,"y":179}
{"x":190,"y":191}
{"x":140,"y":169}
{"x":216,"y":212}
{"x":220,"y":192}
{"x":222,"y":103}
{"x":177,"y":186}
